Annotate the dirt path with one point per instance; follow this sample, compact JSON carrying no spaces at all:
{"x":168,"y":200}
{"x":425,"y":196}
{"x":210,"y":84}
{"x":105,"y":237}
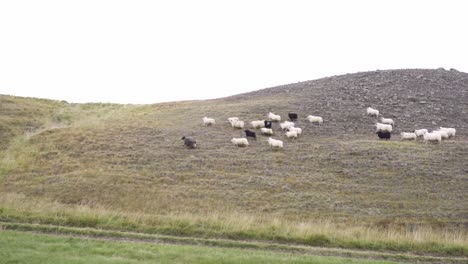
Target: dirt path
{"x":108,"y":235}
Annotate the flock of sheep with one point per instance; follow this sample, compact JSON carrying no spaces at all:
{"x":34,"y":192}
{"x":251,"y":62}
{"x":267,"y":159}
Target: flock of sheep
{"x":385,"y":127}
{"x":265,"y":126}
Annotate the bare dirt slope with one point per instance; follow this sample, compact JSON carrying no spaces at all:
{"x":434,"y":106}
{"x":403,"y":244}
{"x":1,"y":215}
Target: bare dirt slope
{"x":131,"y":157}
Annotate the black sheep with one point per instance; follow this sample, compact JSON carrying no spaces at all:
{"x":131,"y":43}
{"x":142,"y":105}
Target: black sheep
{"x":249,"y":133}
{"x":267,"y":124}
{"x":292,"y":116}
{"x":384,"y":135}
{"x":189,"y":142}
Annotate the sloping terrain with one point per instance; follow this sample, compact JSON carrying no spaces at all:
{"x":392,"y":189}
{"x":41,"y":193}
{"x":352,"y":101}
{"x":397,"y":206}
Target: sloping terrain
{"x":22,"y":115}
{"x":130,"y":158}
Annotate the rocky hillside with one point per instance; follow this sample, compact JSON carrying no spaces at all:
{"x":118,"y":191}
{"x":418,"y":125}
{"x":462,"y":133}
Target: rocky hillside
{"x":414,"y":98}
{"x":131,"y":158}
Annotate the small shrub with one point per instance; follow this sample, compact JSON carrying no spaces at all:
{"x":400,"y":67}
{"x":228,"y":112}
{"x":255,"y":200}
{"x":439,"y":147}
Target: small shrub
{"x":317,"y":240}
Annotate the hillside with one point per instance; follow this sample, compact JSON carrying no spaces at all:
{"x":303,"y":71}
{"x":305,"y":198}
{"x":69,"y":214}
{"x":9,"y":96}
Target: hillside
{"x":129,"y":158}
{"x":22,"y":115}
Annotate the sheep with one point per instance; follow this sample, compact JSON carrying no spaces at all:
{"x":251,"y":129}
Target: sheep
{"x":268,"y":124}
{"x":238,"y":124}
{"x":258,"y":123}
{"x":450,"y":130}
{"x":266,"y":131}
{"x":274,"y":143}
{"x":315,"y":119}
{"x":383,"y":127}
{"x":240,"y":142}
{"x":249,"y":133}
{"x":408,"y":136}
{"x":432,"y":136}
{"x":286,"y":124}
{"x":420,"y":132}
{"x":372,"y":112}
{"x":231,"y":120}
{"x":443,"y":133}
{"x":208,"y":121}
{"x":387,"y":121}
{"x":292,"y":116}
{"x":297,"y":129}
{"x":189,"y":142}
{"x":274,"y":118}
{"x":384,"y":135}
{"x":291,"y":134}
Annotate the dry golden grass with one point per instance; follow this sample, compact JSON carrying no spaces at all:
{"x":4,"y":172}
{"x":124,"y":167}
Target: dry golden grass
{"x":131,"y":158}
{"x":240,"y":225}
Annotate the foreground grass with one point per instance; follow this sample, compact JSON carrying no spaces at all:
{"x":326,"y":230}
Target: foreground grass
{"x":112,"y":235}
{"x":17,"y":247}
{"x":239,"y":226}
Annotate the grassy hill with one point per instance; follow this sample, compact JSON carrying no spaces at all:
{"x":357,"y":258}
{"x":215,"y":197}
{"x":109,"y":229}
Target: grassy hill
{"x":128,"y":161}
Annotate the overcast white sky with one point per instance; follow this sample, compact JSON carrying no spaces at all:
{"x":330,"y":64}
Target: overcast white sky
{"x":155,"y":51}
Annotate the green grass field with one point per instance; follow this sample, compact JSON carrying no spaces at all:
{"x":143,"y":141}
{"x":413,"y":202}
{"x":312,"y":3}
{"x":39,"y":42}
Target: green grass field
{"x":237,"y":226}
{"x":17,"y":247}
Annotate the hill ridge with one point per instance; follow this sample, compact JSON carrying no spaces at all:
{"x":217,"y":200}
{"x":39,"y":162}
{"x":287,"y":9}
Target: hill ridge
{"x":130,"y":157}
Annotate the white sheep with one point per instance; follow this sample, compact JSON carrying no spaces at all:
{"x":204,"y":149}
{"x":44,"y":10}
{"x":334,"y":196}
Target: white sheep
{"x":420,"y":132}
{"x":258,"y":123}
{"x":275,"y":143}
{"x":240,"y":142}
{"x":238,"y":124}
{"x":450,"y":130}
{"x":291,"y":134}
{"x":208,"y":121}
{"x":443,"y":133}
{"x":297,"y":129}
{"x":383,"y":127}
{"x":315,"y":119}
{"x":433,"y":136}
{"x":387,"y":121}
{"x":372,"y":112}
{"x":266,"y":131}
{"x":286,"y":124}
{"x":273,"y":117}
{"x":408,"y":136}
{"x":231,"y":120}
